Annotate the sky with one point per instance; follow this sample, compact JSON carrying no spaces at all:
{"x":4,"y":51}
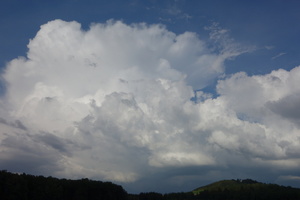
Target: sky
{"x":162,"y":96}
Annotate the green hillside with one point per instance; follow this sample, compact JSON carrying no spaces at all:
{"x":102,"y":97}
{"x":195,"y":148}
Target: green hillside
{"x":232,"y":185}
{"x":245,"y":189}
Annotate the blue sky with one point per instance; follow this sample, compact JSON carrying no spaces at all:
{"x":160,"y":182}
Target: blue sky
{"x":103,"y":89}
{"x":260,"y":23}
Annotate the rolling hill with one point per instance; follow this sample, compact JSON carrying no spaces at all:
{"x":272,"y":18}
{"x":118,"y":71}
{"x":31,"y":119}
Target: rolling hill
{"x":246,"y":189}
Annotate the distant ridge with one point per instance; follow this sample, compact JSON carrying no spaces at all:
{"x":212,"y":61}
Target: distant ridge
{"x":246,"y":189}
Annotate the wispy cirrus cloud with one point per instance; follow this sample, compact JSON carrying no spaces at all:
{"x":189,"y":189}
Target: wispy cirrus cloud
{"x":278,"y":55}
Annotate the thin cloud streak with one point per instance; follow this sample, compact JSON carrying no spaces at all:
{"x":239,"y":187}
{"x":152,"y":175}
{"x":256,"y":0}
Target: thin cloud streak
{"x":278,"y":55}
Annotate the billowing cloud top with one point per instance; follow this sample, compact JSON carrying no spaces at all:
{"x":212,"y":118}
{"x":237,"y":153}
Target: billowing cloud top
{"x":114,"y":103}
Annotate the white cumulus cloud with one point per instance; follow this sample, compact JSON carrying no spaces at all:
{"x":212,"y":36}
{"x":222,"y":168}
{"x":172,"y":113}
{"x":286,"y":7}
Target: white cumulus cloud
{"x":114,"y":102}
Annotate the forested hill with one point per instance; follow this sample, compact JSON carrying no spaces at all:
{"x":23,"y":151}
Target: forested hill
{"x":246,"y":189}
{"x":29,"y":187}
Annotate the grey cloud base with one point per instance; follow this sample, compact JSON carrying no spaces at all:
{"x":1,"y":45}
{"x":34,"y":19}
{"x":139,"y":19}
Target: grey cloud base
{"x":114,"y":103}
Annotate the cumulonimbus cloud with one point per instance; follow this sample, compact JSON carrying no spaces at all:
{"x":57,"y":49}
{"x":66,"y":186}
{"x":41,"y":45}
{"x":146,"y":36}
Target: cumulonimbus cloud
{"x":114,"y":102}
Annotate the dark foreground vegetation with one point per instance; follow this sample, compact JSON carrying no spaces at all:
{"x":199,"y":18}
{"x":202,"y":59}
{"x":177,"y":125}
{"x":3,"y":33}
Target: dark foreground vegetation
{"x":29,"y":187}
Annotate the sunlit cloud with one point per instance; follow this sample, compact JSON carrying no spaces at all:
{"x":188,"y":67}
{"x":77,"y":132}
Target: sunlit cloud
{"x":114,"y":102}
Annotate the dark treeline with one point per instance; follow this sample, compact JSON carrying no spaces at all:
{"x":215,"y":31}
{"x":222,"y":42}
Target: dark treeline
{"x":158,"y":196}
{"x":29,"y":187}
